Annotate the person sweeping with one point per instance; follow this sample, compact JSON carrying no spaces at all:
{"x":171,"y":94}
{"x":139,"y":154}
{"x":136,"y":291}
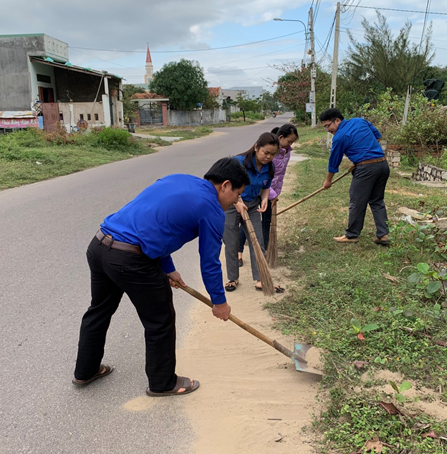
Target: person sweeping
{"x":131,"y":253}
{"x":258,"y":162}
{"x":358,"y":140}
{"x":287,"y":135}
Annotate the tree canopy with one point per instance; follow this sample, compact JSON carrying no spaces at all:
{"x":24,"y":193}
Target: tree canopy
{"x":384,"y":61}
{"x":183,"y":83}
{"x":128,"y":106}
{"x":293,"y":89}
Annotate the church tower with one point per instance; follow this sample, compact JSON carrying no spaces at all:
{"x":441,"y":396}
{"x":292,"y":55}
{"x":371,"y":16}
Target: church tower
{"x":149,"y":67}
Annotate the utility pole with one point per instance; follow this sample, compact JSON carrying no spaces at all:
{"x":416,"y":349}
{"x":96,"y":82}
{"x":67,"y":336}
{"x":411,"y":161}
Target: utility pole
{"x":333,"y":101}
{"x":313,"y":69}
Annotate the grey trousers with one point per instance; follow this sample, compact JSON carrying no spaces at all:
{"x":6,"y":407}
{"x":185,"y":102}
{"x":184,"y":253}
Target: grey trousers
{"x":231,"y":238}
{"x":368,"y":187}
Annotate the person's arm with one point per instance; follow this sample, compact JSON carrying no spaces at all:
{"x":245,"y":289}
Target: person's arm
{"x":210,"y":243}
{"x":375,"y":131}
{"x":328,"y":181}
{"x":264,"y":200}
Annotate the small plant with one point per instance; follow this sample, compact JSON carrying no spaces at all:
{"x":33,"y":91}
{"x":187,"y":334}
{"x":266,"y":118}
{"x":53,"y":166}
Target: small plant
{"x":404,"y":386}
{"x":358,"y":329}
{"x":431,"y":281}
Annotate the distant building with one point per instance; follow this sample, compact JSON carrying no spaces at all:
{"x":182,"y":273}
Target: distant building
{"x":251,"y":92}
{"x":232,"y":93}
{"x":149,"y":68}
{"x":216,"y":93}
{"x":37,"y":77}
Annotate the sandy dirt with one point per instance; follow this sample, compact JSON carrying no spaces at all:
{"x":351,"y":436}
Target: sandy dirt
{"x":251,"y":399}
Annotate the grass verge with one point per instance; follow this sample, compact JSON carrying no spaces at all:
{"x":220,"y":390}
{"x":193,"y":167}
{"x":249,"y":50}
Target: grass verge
{"x":29,"y":156}
{"x":378,"y":313}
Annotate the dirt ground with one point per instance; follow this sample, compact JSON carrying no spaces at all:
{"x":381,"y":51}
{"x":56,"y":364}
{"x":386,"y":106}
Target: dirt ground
{"x":251,"y":400}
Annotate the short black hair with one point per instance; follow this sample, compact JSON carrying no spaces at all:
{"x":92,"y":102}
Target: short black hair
{"x":228,"y":169}
{"x":331,"y":114}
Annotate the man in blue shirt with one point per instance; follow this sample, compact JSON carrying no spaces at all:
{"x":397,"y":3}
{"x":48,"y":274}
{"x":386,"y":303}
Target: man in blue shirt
{"x":131,"y":254}
{"x":358,"y":140}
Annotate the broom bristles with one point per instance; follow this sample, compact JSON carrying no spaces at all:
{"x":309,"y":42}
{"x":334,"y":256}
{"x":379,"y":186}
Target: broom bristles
{"x":272,"y":249}
{"x":264,"y":273}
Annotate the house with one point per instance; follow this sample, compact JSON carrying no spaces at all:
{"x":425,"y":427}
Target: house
{"x":232,"y":94}
{"x":216,"y":93}
{"x":36,"y":75}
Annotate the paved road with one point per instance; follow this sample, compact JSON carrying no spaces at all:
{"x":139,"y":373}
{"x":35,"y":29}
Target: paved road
{"x":44,"y":290}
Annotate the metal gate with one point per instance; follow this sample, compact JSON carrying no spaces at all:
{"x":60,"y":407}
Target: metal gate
{"x":151,"y":113}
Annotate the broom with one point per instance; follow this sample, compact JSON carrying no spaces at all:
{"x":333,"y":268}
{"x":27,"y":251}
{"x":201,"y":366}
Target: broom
{"x":272,"y":248}
{"x":313,"y":193}
{"x":264,"y":273}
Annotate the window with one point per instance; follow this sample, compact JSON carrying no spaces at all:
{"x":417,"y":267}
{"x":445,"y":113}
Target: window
{"x":81,"y":116}
{"x":89,"y":117}
{"x":96,"y":117}
{"x":43,"y":78}
{"x":61,"y":116}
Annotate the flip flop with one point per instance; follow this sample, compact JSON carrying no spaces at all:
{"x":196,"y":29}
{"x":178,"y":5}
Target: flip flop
{"x":278,"y":289}
{"x":182,"y":382}
{"x":231,"y":286}
{"x":103,"y":372}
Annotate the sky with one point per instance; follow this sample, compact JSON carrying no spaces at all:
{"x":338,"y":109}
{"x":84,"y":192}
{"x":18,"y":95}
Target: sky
{"x":236,"y":42}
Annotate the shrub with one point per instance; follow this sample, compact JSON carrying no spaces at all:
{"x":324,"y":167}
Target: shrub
{"x":112,"y":138}
{"x":251,"y":115}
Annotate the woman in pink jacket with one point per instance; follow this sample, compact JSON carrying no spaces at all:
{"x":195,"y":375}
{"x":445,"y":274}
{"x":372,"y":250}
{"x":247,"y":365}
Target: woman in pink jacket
{"x":287,"y":135}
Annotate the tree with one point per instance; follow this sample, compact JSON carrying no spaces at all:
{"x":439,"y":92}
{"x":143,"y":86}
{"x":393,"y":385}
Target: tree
{"x":247,"y":104}
{"x":129,"y":107}
{"x":268,"y":102}
{"x":384,"y":61}
{"x":183,"y":83}
{"x":293,"y":89}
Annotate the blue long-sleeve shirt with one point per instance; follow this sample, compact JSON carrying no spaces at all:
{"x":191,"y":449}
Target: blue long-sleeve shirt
{"x":169,"y":213}
{"x":258,"y":180}
{"x":357,"y":139}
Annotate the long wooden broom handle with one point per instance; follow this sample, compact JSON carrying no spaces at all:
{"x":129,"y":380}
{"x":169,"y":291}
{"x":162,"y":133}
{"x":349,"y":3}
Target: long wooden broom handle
{"x":285,"y":351}
{"x":314,"y":193}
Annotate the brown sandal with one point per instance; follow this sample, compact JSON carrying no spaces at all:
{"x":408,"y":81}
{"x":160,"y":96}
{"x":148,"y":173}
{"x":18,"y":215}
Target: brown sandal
{"x":103,"y":372}
{"x":182,"y":382}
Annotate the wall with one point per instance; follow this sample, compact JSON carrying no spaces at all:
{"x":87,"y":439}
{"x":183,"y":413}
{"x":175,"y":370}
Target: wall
{"x":15,"y":85}
{"x":392,"y":155}
{"x":427,"y":172}
{"x":192,"y":117}
{"x":71,"y":113}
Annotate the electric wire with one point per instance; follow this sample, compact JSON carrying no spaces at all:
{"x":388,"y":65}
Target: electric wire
{"x":394,"y":9}
{"x":189,"y":50}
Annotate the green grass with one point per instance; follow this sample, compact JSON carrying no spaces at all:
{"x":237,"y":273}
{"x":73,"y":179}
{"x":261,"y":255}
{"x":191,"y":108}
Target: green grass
{"x":337,"y":283}
{"x":186,"y":133}
{"x":30,"y":156}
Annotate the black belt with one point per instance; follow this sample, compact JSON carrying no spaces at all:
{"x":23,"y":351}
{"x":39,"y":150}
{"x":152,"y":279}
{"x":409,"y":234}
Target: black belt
{"x":107,"y":240}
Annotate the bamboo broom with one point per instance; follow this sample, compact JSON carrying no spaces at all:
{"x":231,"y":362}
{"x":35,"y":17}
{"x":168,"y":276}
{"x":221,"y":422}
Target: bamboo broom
{"x":272,"y":248}
{"x":264,"y":273}
{"x":315,"y":192}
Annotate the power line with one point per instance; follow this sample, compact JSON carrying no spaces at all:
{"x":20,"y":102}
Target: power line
{"x":188,"y":50}
{"x":427,"y":9}
{"x":394,"y":9}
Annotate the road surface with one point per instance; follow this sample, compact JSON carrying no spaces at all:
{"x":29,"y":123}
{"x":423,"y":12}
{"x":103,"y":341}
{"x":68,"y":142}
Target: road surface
{"x":44,"y":291}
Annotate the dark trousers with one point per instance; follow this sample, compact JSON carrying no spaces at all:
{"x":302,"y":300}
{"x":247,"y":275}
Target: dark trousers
{"x":368,"y":188}
{"x":113,"y":273}
{"x":266,"y":221}
{"x":233,"y":221}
